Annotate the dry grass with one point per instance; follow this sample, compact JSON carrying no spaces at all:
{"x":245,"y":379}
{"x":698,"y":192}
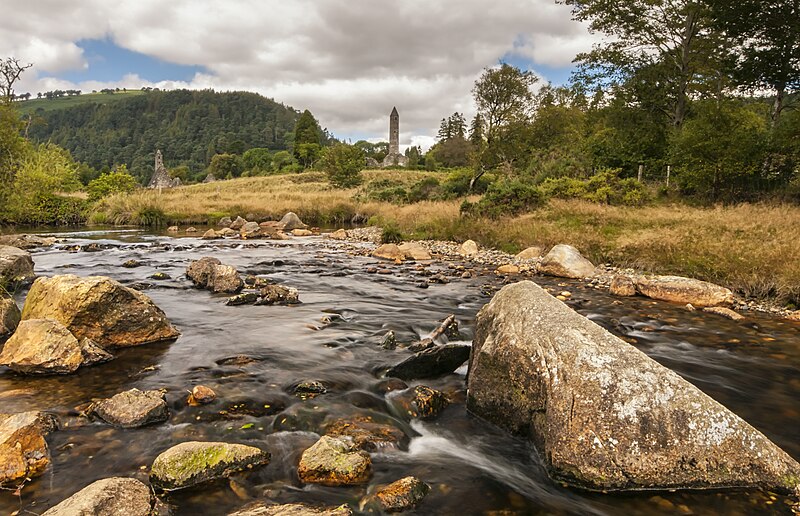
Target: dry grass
{"x":750,"y":248}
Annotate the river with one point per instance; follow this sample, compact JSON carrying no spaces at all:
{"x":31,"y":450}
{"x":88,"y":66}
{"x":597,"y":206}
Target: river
{"x":333,"y":337}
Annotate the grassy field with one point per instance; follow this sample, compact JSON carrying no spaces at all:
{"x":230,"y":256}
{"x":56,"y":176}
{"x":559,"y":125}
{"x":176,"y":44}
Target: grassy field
{"x":27,"y":107}
{"x":749,"y":248}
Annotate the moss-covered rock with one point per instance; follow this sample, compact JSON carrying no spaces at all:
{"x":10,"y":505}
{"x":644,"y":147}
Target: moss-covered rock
{"x":334,"y":461}
{"x":191,"y":463}
{"x":100,"y":309}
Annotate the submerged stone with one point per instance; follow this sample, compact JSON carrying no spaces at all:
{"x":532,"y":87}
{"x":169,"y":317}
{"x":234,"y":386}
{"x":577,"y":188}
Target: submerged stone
{"x":108,"y":497}
{"x":602,"y":414}
{"x":399,"y":496}
{"x":421,"y":402}
{"x":191,"y":463}
{"x":100,"y":309}
{"x":367,"y":434}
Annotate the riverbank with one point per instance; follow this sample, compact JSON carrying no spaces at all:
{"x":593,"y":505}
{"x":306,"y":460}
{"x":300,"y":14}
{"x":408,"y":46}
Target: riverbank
{"x":747,"y":248}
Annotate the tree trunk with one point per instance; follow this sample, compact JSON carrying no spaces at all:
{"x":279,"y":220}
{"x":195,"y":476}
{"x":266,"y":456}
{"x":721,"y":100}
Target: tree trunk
{"x":778,"y":105}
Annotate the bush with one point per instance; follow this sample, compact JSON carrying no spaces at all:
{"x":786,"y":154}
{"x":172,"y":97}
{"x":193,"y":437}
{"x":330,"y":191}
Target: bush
{"x":425,"y":190}
{"x":506,"y":197}
{"x":605,"y":187}
{"x":457,"y":184}
{"x":391,"y":234}
{"x":119,"y":181}
{"x":343,"y":163}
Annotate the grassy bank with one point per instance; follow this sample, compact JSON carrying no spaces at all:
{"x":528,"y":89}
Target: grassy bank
{"x":749,"y":248}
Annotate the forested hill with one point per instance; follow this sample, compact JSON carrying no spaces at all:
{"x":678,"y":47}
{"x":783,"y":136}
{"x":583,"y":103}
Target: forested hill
{"x":188,"y":126}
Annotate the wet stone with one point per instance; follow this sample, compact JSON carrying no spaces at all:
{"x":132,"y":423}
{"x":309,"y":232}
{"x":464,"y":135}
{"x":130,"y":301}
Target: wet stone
{"x":132,"y":264}
{"x":309,"y":389}
{"x":421,"y":402}
{"x":334,"y":461}
{"x":107,"y":497}
{"x":201,"y":395}
{"x":399,"y":496}
{"x":366,"y":433}
{"x":437,"y":361}
{"x":161,"y":276}
{"x":132,"y":409}
{"x":247,"y":298}
{"x":278,"y":295}
{"x":291,"y":509}
{"x":389,"y":341}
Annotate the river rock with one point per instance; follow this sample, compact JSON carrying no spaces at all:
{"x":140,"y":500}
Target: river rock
{"x":530,"y":253}
{"x":210,"y":235}
{"x":173,"y":229}
{"x":45,"y":346}
{"x":225,"y":222}
{"x":291,"y":221}
{"x":564,"y":261}
{"x":677,"y":289}
{"x":132,"y":409}
{"x":9,"y":316}
{"x":468,"y":249}
{"x":23,"y":241}
{"x":191,"y":463}
{"x":291,"y":509}
{"x":414,"y":251}
{"x":431,"y":363}
{"x":250,"y":230}
{"x":334,"y":461}
{"x":201,"y":395}
{"x":200,"y":271}
{"x":399,"y":496}
{"x":226,"y":232}
{"x":16,"y":267}
{"x":100,"y":309}
{"x":366,"y":433}
{"x":622,"y":286}
{"x":247,"y":298}
{"x":421,"y":402}
{"x":302,"y":232}
{"x":724,"y":312}
{"x":278,"y":295}
{"x":508,"y":268}
{"x":209,"y":273}
{"x":115,"y":496}
{"x":602,"y":414}
{"x":238,"y":223}
{"x":191,"y":230}
{"x":794,"y":316}
{"x":23,"y":449}
{"x":389,"y":252}
{"x":339,"y":234}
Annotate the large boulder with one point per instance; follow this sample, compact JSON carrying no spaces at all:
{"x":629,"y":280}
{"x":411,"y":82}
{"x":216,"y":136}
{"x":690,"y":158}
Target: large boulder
{"x":23,"y":449}
{"x":45,"y":346}
{"x":9,"y":316}
{"x":16,"y":267}
{"x":191,"y":463}
{"x":209,"y":273}
{"x":602,"y":414}
{"x":250,"y":230}
{"x":564,"y":261}
{"x":431,"y":363}
{"x":468,"y":249}
{"x":132,"y":409}
{"x":238,"y":223}
{"x":682,"y":290}
{"x":107,"y":497}
{"x":291,"y":221}
{"x":100,"y":309}
{"x":334,"y":461}
{"x":530,"y":253}
{"x":414,"y":251}
{"x":291,"y":509}
{"x":389,"y":252}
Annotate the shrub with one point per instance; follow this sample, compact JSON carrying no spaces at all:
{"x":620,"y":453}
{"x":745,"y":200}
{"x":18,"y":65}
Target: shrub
{"x":506,"y":197}
{"x":343,"y":163}
{"x":391,"y":233}
{"x":118,"y":181}
{"x":605,"y":187}
{"x":457,"y":184}
{"x":425,"y":190}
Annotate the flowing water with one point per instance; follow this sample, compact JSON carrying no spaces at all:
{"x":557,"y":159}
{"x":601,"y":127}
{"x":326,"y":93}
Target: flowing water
{"x":333,"y":337}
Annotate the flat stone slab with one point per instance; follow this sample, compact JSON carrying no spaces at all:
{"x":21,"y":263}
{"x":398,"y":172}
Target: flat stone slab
{"x":133,"y":408}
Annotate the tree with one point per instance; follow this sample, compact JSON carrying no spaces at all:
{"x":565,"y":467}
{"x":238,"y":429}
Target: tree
{"x":765,"y":36}
{"x":281,"y":159}
{"x":503,"y":95}
{"x":226,"y":166}
{"x":257,"y":159}
{"x":307,"y":139}
{"x":476,"y":137}
{"x":12,"y":148}
{"x":118,"y":181}
{"x":672,"y":40}
{"x":343,"y":163}
{"x":10,"y":71}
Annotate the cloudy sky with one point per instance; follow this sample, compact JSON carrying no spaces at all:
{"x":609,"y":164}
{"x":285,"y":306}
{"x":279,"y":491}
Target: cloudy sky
{"x":348,"y":61}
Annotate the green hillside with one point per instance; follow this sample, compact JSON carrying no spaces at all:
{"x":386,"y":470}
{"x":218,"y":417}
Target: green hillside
{"x":190,"y":127}
{"x":29,"y":107}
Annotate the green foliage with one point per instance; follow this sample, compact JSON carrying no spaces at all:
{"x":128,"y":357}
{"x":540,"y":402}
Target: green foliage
{"x":452,"y":152}
{"x":281,"y":159}
{"x":257,"y":160}
{"x":391,"y":233}
{"x":226,"y":166}
{"x":181,"y":172}
{"x":505,"y":197}
{"x":12,"y":148}
{"x":189,"y":127}
{"x":720,"y":151}
{"x":605,"y":187}
{"x":343,"y":164}
{"x":118,"y":181}
{"x":307,"y":139}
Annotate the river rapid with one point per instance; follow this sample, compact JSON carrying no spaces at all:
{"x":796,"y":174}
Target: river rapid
{"x":752,"y":367}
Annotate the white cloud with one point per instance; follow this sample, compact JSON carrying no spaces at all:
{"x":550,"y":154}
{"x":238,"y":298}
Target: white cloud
{"x":348,"y":61}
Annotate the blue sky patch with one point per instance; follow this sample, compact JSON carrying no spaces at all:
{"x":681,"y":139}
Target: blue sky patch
{"x":109,"y":63}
